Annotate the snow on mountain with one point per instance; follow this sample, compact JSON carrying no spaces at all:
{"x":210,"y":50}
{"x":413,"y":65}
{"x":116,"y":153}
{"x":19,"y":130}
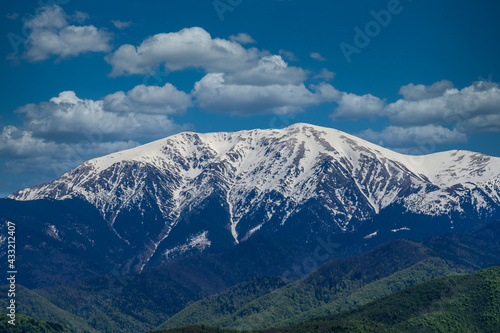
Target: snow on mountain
{"x":265,"y":179}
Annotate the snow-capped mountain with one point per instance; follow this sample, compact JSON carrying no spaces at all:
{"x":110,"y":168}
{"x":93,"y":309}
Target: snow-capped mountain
{"x":191,"y":191}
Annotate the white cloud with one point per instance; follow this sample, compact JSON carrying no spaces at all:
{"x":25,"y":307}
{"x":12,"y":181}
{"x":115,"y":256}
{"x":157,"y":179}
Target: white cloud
{"x":317,"y":56}
{"x":188,"y":48}
{"x":269,"y":70}
{"x":325,"y":74}
{"x":409,"y":137}
{"x":67,"y":118}
{"x":468,"y":108}
{"x":242,"y":38}
{"x":15,"y":142}
{"x":80,"y":17}
{"x":214,"y":94}
{"x":418,"y":92}
{"x":473,"y":109}
{"x":40,"y":160}
{"x":351,"y":106}
{"x":238,"y":81}
{"x":288,"y":55}
{"x":51,"y":34}
{"x":481,"y":124}
{"x":149,"y":99}
{"x":65,"y":131}
{"x":12,"y":16}
{"x":121,"y":24}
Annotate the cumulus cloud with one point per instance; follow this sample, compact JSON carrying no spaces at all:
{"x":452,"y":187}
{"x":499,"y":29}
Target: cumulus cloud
{"x":405,"y":137}
{"x":288,"y":55}
{"x":242,"y":38}
{"x":214,"y":94}
{"x":67,"y":130}
{"x":480,"y":124}
{"x":317,"y":56}
{"x":12,"y":16}
{"x":412,"y":92}
{"x":51,"y":34}
{"x":19,"y":144}
{"x":238,"y":80}
{"x":437,"y":114}
{"x":149,"y":99}
{"x":473,"y":109}
{"x":188,"y":48}
{"x":325,"y":74}
{"x":354,"y":107}
{"x":15,"y":142}
{"x":39,"y":160}
{"x":80,"y":17}
{"x":269,"y":70}
{"x":121,"y":24}
{"x":468,"y":108}
{"x":67,"y":118}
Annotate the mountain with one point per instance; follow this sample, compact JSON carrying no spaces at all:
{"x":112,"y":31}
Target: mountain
{"x":460,"y":303}
{"x":196,"y":192}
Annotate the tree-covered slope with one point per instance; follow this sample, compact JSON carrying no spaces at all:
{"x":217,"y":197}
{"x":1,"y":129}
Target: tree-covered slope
{"x":338,"y":285}
{"x":458,"y":303}
{"x":345,"y":283}
{"x":464,"y":303}
{"x":30,"y":303}
{"x":25,"y":324}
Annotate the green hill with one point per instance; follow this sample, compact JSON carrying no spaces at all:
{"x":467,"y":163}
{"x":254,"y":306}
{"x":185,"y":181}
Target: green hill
{"x":339,"y":285}
{"x":346,"y":283}
{"x":469,"y":303}
{"x":30,"y":303}
{"x":459,"y":303}
{"x":25,"y":324}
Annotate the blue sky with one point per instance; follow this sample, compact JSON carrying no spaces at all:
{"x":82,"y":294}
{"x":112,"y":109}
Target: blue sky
{"x":81,"y":80}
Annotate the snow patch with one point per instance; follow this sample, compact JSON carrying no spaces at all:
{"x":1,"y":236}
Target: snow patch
{"x":373,"y":234}
{"x":199,"y":242}
{"x":52,"y":232}
{"x":401,"y":229}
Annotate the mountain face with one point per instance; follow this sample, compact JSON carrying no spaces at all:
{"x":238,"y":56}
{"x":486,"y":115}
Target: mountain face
{"x":195,"y":192}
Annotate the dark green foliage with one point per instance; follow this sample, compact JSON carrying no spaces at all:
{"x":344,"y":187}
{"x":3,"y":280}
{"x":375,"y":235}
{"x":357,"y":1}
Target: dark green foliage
{"x":25,"y":324}
{"x":469,"y":303}
{"x":216,"y":307}
{"x":136,"y":303}
{"x":31,"y":303}
{"x":460,"y":303}
{"x":339,"y":285}
{"x":346,"y":283}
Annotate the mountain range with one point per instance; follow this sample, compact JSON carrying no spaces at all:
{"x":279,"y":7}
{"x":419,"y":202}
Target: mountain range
{"x":189,"y":193}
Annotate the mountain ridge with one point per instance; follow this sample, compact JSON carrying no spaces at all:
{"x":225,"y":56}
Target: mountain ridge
{"x":191,"y":192}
